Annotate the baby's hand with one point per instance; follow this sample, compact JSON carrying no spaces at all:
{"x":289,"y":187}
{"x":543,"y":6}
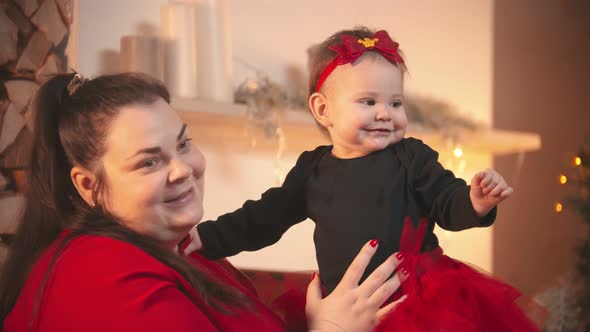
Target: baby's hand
{"x":195,"y":243}
{"x":488,"y":188}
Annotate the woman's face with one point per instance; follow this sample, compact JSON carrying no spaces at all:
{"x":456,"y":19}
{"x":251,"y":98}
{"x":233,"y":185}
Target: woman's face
{"x":153,"y":175}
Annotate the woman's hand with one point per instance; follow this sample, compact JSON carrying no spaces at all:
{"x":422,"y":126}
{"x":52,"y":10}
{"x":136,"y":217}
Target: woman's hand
{"x":352,"y":307}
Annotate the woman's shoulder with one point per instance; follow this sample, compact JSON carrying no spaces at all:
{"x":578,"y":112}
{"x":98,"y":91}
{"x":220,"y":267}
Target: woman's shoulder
{"x":105,"y":252}
{"x":95,"y":258}
{"x":101,"y":267}
{"x":96,"y":276}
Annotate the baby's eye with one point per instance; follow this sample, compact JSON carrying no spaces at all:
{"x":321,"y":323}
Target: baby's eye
{"x":368,"y":102}
{"x":396,"y":103}
{"x":184,"y":145}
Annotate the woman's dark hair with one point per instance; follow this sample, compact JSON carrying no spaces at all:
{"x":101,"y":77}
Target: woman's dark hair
{"x":70,"y":126}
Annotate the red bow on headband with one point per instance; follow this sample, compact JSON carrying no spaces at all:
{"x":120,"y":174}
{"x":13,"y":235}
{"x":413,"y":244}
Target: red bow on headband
{"x":352,"y":48}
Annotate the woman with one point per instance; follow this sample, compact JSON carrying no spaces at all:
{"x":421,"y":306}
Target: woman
{"x":114,"y":188}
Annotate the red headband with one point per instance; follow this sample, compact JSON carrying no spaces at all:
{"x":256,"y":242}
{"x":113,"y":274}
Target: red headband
{"x":352,"y":48}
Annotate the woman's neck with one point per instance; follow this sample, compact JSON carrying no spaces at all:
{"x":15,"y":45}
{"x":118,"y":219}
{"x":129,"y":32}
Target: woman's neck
{"x":178,"y":246}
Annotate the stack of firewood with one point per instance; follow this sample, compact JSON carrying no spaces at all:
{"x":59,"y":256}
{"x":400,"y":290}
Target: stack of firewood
{"x":33,"y":39}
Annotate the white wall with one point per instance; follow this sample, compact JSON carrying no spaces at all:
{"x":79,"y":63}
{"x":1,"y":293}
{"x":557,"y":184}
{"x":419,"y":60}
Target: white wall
{"x":448,"y":46}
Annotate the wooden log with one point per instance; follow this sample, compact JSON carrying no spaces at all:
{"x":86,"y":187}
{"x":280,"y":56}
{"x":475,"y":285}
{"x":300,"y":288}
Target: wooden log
{"x":3,"y":182}
{"x":25,"y":27}
{"x":66,"y":8}
{"x":8,"y":38}
{"x":18,"y":179}
{"x":34,"y":53}
{"x":20,"y":93}
{"x":51,"y":67}
{"x":4,"y":103}
{"x":48,"y":19}
{"x":28,"y":6}
{"x":5,"y":242}
{"x":3,"y":112}
{"x":13,"y":122}
{"x":28,"y":116}
{"x":10,"y":211}
{"x":17,"y":155}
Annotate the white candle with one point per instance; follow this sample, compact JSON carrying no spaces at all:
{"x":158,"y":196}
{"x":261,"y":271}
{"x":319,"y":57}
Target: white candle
{"x":178,"y":28}
{"x":142,"y":54}
{"x":214,"y":54}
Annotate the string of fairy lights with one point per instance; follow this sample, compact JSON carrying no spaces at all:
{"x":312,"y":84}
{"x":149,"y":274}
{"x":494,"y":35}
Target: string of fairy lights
{"x":564,"y":179}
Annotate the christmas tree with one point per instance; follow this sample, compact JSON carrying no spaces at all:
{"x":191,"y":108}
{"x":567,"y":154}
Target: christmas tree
{"x":568,"y":302}
{"x":580,"y":203}
{"x":577,"y":176}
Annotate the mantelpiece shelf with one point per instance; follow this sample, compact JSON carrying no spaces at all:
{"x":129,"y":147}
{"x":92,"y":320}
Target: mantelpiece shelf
{"x":224,"y":125}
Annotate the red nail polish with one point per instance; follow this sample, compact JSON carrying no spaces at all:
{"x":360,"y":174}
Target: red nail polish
{"x":313,"y":275}
{"x":399,"y":255}
{"x":404,"y":271}
{"x":374,"y":243}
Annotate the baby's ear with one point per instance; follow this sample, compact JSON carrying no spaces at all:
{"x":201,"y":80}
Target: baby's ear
{"x":319,"y":109}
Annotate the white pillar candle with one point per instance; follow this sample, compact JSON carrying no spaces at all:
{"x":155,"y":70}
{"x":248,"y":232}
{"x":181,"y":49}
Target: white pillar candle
{"x":178,"y":28}
{"x":142,"y":54}
{"x":214,"y":54}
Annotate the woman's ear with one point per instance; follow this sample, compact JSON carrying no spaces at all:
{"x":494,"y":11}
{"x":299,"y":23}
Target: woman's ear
{"x":85,"y":183}
{"x":319,"y":109}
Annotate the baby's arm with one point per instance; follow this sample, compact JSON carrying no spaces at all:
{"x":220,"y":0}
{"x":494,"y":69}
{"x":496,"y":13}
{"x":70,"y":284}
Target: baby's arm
{"x":488,"y":188}
{"x":258,"y":224}
{"x":444,"y":196}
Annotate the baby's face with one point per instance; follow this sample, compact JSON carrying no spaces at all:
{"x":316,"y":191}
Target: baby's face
{"x":365,"y":106}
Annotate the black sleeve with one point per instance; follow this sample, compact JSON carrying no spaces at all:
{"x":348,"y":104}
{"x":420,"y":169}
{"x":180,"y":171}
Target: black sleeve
{"x":258,"y":224}
{"x":438,"y":191}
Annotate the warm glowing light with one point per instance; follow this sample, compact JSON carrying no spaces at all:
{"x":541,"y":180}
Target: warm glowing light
{"x":458,"y":152}
{"x":558,"y":207}
{"x":577,"y":161}
{"x":562,"y":179}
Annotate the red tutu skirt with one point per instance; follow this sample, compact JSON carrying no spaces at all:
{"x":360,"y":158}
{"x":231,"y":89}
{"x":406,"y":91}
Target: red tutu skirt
{"x":447,"y":295}
{"x":444,"y":295}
